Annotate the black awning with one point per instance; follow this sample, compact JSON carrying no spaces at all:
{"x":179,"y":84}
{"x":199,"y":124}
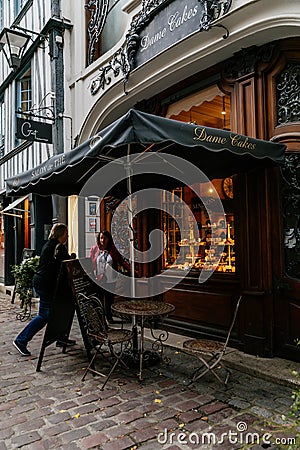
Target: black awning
{"x":218,"y":153}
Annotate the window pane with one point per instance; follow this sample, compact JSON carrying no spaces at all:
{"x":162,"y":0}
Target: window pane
{"x":2,"y":128}
{"x":189,"y":248}
{"x":115,"y":25}
{"x":19,"y":5}
{"x":1,"y":14}
{"x":25,"y":94}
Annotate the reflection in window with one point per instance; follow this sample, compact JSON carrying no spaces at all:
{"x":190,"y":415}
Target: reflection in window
{"x":211,"y":245}
{"x":115,"y":24}
{"x":105,"y":25}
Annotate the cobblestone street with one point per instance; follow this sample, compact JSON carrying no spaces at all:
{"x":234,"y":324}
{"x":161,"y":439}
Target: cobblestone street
{"x":54,"y":409}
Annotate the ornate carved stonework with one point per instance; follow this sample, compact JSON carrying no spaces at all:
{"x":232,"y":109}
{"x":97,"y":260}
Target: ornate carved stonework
{"x":291,"y":214}
{"x":245,"y":61}
{"x":288,"y":95}
{"x":98,"y":10}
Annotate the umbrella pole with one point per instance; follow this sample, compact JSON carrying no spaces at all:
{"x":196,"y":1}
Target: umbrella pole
{"x":128,"y":170}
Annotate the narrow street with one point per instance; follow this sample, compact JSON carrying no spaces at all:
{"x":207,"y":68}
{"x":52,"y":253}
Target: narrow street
{"x":54,"y":409}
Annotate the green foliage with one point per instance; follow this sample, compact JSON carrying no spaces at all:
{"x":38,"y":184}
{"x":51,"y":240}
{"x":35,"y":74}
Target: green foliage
{"x":296,"y":399}
{"x":23,"y":274}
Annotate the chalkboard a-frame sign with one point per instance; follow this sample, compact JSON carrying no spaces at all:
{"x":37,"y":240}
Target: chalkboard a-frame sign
{"x":64,"y":305}
{"x":81,"y":283}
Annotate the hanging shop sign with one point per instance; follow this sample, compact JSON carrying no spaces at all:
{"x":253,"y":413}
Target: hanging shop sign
{"x":31,"y":130}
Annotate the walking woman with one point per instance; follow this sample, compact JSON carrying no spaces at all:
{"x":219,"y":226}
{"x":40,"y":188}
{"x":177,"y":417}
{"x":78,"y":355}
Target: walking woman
{"x":44,"y":283}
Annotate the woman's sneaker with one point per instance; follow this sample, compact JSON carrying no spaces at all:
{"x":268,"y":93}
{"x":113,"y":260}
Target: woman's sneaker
{"x":21,"y":348}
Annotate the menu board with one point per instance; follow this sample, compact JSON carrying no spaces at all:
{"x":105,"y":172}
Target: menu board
{"x":81,"y":283}
{"x":79,"y":280}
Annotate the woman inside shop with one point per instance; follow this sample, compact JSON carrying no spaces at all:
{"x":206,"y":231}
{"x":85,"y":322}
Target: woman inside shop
{"x":107,"y":262}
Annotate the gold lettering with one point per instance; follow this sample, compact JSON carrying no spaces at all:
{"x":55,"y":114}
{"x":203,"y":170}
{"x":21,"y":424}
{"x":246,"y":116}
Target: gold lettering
{"x":201,"y":135}
{"x":238,"y":141}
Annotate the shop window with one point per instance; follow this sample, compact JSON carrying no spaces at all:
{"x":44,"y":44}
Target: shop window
{"x":209,"y":107}
{"x":182,"y":249}
{"x":105,"y":25}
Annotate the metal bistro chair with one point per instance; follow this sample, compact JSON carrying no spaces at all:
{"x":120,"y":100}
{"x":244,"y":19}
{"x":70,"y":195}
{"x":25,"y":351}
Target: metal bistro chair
{"x":210,"y":353}
{"x":99,"y":335}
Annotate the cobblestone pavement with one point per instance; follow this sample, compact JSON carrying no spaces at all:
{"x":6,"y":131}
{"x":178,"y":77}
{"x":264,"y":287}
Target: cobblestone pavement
{"x":54,"y":409}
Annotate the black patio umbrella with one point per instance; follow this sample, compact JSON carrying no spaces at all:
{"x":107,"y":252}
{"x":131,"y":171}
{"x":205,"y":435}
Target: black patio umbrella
{"x":218,"y":153}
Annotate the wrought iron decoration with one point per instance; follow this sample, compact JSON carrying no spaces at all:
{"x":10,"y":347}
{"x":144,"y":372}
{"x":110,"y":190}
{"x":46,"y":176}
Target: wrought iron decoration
{"x":98,"y":10}
{"x":212,"y":10}
{"x":288,"y":95}
{"x":291,"y":214}
{"x":124,"y":59}
{"x":288,"y":112}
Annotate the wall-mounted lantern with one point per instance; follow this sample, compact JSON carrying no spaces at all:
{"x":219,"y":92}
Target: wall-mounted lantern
{"x":13,"y":44}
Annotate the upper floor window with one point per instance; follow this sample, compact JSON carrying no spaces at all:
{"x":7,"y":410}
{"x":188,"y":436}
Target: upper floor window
{"x":105,"y":25}
{"x":19,"y":4}
{"x":1,"y":14}
{"x":2,"y":127}
{"x":24,"y":92}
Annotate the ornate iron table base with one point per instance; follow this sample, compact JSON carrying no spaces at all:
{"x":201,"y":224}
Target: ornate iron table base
{"x":144,"y":313}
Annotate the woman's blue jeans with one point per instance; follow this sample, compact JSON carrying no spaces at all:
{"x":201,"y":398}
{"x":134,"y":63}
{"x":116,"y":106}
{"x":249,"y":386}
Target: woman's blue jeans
{"x":38,"y":322}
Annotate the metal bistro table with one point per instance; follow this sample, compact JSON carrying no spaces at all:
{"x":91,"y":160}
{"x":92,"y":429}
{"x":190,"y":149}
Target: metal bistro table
{"x":144,"y":313}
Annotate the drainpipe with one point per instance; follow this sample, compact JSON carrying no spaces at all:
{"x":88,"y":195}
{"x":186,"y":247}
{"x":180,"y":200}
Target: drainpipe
{"x":59,"y":204}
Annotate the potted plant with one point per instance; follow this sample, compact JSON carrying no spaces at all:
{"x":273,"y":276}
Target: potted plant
{"x":23,"y":274}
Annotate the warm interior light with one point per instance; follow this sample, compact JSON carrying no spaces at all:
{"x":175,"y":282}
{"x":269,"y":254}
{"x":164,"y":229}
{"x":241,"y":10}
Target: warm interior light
{"x":223,"y":109}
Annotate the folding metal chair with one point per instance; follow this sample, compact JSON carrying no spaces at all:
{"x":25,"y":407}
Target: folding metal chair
{"x":99,"y":335}
{"x":210,"y":353}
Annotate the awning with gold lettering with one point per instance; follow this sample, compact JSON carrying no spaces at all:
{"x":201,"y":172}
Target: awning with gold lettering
{"x":218,"y":153}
